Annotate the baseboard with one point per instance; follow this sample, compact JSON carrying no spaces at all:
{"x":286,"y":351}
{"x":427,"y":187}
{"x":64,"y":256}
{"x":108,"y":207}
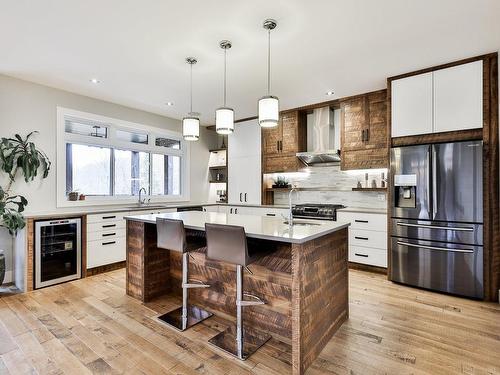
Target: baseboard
{"x":105,"y":268}
{"x":366,"y":267}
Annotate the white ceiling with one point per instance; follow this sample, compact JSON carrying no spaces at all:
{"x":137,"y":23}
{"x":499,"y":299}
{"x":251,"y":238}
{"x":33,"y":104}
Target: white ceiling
{"x":137,"y":47}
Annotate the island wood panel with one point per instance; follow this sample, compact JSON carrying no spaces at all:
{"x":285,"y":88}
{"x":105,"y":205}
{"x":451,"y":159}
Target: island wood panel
{"x":489,"y":135}
{"x":319,"y":295}
{"x":304,"y":286}
{"x":272,"y":286}
{"x":148,"y":267}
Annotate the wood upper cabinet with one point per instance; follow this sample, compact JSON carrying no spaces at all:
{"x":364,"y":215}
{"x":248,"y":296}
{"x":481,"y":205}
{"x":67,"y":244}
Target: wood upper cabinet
{"x":281,"y":143}
{"x":364,"y":131}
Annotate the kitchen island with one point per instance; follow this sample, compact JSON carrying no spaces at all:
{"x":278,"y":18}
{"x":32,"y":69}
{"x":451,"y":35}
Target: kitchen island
{"x":301,"y":273}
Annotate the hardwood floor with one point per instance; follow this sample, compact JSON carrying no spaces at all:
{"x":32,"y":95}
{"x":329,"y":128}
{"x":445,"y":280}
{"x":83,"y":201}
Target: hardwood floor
{"x":91,"y":326}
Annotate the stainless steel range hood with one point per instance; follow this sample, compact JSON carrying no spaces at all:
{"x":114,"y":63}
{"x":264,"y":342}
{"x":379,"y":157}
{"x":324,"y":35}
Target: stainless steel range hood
{"x":323,"y":138}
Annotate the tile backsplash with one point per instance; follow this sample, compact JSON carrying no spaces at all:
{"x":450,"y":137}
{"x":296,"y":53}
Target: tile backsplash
{"x":339,"y":184}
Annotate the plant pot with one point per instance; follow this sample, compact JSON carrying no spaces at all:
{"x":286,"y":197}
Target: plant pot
{"x":2,"y":266}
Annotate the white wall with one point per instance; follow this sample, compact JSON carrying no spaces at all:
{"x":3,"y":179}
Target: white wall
{"x":26,"y":106}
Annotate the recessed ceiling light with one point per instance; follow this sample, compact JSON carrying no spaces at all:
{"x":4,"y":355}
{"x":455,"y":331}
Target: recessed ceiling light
{"x":170,"y":104}
{"x":95,"y":81}
{"x":330,"y":93}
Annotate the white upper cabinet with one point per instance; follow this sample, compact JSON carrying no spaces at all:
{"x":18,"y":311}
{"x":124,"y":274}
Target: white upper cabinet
{"x":458,"y":97}
{"x":244,"y":163}
{"x":411,"y":105}
{"x":444,"y":100}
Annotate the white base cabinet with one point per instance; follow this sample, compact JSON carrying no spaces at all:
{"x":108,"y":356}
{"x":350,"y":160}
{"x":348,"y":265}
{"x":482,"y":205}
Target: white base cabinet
{"x":367,"y":237}
{"x":106,"y":236}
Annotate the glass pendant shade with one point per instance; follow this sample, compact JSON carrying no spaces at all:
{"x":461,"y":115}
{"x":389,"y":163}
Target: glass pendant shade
{"x":191,"y":128}
{"x":224,"y":120}
{"x":269,"y":111}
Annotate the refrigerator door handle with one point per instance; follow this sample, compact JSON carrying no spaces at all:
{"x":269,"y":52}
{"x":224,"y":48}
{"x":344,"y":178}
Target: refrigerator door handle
{"x":435,"y":248}
{"x":434,"y":183}
{"x":429,"y":179}
{"x":461,"y":229}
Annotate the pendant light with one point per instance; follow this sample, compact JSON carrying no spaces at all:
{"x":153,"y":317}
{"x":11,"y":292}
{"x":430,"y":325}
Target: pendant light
{"x":269,"y":107}
{"x":224,"y":116}
{"x":191,"y":123}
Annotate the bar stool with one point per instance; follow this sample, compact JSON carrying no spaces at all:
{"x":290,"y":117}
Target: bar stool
{"x":228,"y":243}
{"x":171,"y":235}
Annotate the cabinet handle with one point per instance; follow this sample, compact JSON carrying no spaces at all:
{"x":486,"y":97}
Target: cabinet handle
{"x":108,"y":234}
{"x":109,"y":226}
{"x":362,"y":135}
{"x":109,"y":217}
{"x":235,"y":210}
{"x":270,"y":214}
{"x":109,"y":243}
{"x":367,"y":135}
{"x":231,"y":211}
{"x":245,"y":197}
{"x":361,"y":221}
{"x":278,"y":146}
{"x":281,"y":146}
{"x":361,"y":255}
{"x":241,"y":197}
{"x":361,"y":238}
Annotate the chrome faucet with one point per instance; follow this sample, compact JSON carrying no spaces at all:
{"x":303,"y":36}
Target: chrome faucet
{"x":290,"y":214}
{"x":142,"y":201}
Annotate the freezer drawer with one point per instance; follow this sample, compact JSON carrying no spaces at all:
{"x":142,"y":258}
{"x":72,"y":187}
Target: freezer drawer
{"x":440,"y":266}
{"x":438,"y":231}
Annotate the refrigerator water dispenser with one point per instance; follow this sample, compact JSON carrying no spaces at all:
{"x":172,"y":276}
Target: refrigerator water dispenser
{"x":405,"y":186}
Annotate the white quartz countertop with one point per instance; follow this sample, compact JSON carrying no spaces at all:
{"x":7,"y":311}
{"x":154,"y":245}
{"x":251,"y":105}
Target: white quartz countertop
{"x":262,"y":227}
{"x":366,"y":210}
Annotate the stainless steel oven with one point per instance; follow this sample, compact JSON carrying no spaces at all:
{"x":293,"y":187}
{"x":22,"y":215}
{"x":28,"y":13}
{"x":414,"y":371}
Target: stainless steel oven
{"x":58,"y":251}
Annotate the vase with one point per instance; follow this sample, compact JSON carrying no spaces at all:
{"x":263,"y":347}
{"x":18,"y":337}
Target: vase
{"x":2,"y":266}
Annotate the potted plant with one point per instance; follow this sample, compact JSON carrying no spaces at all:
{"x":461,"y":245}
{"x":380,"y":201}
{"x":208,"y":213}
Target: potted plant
{"x":18,"y":157}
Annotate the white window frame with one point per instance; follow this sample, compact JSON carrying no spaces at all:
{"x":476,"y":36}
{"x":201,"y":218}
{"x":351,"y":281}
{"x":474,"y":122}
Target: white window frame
{"x":111,"y":142}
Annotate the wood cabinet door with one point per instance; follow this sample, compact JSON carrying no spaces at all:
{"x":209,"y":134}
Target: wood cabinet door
{"x":282,"y":163}
{"x":458,"y":97}
{"x":411,"y":105}
{"x":271,"y":138}
{"x":353,"y":123}
{"x":294,"y":133}
{"x":377,"y":120}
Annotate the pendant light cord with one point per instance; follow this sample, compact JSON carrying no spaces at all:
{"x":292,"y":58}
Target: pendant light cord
{"x":225,"y":56}
{"x":268,"y":62}
{"x":191,"y":91}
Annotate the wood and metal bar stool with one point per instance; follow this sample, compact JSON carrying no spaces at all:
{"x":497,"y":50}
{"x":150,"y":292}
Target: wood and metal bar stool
{"x":171,"y":235}
{"x":228,"y":243}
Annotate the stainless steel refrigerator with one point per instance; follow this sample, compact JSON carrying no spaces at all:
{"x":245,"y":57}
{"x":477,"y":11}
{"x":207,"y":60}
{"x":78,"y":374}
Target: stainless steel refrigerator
{"x":437,"y":217}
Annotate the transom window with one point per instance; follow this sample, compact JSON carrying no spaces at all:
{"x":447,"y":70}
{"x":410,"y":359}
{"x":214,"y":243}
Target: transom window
{"x":105,"y":158}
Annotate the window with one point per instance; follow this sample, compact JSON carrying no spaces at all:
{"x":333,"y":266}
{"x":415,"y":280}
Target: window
{"x":107,"y":159}
{"x":85,"y":161}
{"x":166,"y":175}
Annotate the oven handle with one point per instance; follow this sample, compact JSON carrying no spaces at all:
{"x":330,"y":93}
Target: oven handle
{"x":458,"y":229}
{"x":435,"y":248}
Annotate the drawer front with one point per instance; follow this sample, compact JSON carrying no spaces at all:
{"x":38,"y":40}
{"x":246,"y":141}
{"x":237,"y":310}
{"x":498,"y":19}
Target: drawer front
{"x":368,"y":255}
{"x":368,"y":238}
{"x":106,"y":217}
{"x":106,"y":234}
{"x":364,"y":221}
{"x":108,"y":251}
{"x":274,"y":212}
{"x":105,"y":226}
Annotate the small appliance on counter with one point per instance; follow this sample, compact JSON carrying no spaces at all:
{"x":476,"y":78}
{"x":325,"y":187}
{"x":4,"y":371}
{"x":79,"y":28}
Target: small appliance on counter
{"x":58,"y":251}
{"x":316,"y":211}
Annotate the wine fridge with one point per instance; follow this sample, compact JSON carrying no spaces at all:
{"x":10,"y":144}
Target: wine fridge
{"x":58,"y":251}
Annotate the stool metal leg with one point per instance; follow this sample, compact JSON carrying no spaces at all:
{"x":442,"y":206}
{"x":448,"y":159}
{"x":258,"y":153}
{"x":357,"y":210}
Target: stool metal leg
{"x":240,"y":341}
{"x":187,"y":315}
